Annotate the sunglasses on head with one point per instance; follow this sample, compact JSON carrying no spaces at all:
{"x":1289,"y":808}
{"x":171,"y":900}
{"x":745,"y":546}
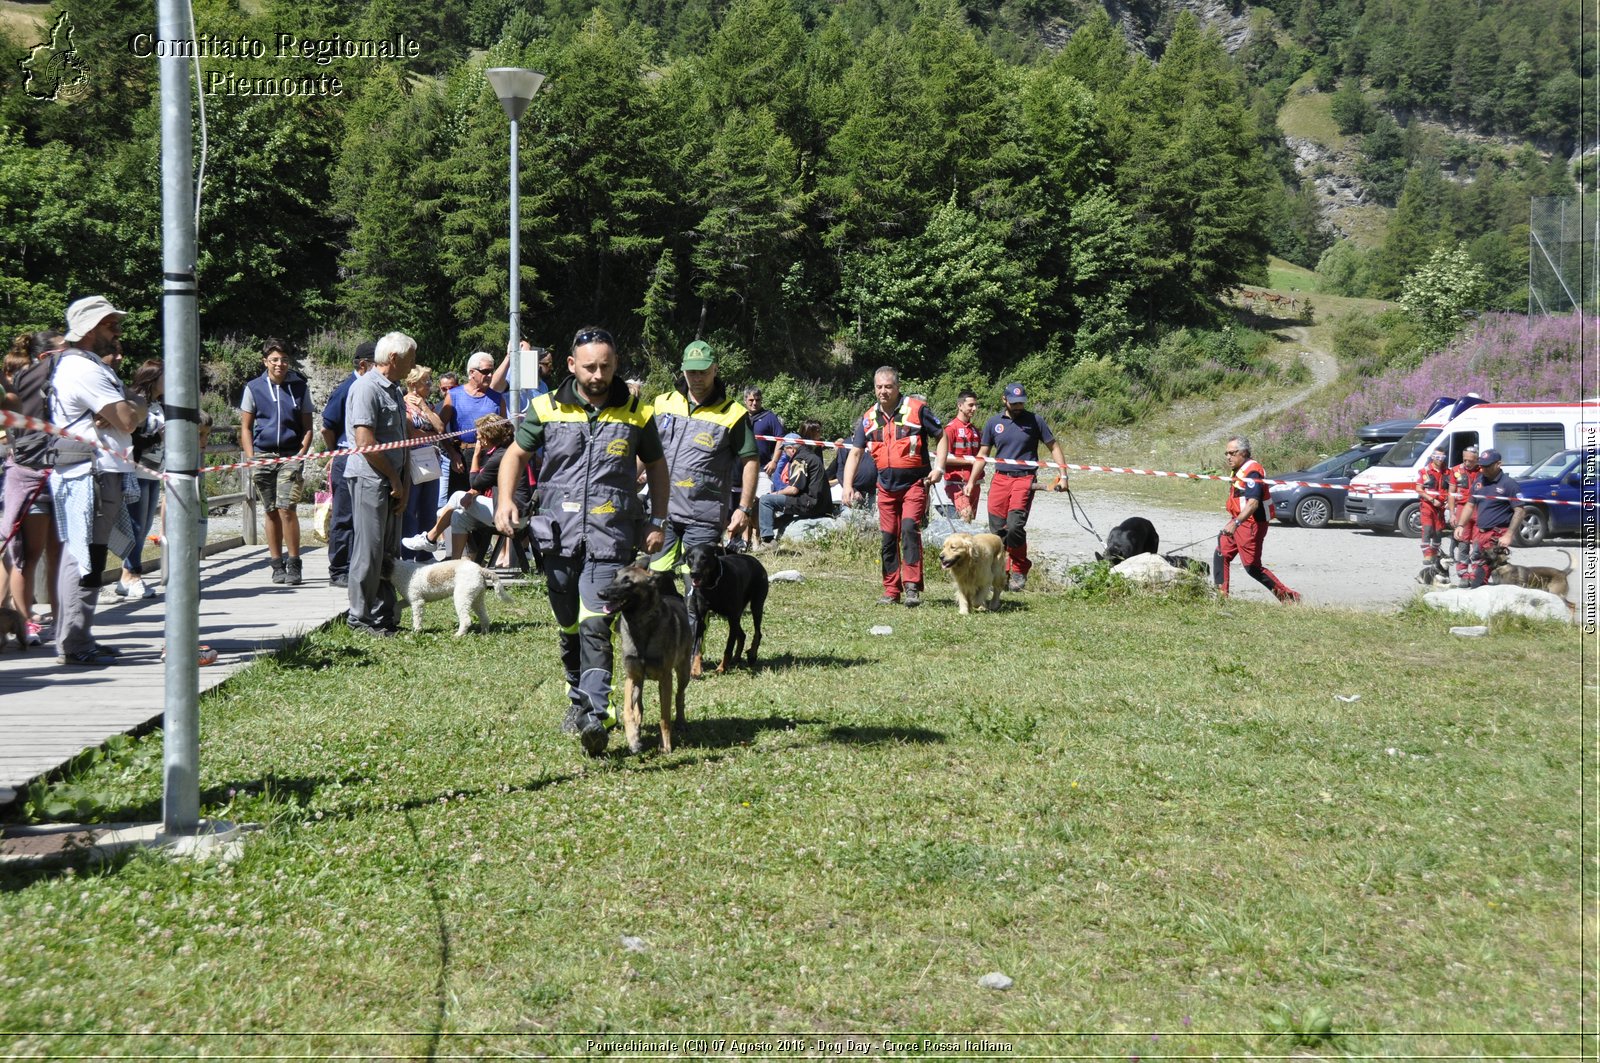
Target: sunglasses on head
{"x":593,"y":335}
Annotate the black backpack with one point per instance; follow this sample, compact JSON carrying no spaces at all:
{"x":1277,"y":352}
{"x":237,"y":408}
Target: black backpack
{"x":34,"y":386}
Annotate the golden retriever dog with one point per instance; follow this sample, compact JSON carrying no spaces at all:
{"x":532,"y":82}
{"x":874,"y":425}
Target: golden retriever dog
{"x":460,"y":579}
{"x":977,"y":563}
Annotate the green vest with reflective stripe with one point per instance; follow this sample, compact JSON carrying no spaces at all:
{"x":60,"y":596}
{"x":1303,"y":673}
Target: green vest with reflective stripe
{"x":589,"y":484}
{"x":701,"y":456}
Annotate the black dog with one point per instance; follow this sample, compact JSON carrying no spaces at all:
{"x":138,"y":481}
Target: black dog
{"x":725,"y":583}
{"x":1131,"y":538}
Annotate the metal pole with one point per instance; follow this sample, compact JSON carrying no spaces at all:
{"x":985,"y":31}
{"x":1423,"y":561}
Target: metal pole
{"x":180,"y":803}
{"x":514,"y":405}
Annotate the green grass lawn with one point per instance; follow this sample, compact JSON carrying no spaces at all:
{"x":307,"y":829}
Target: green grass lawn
{"x":1157,"y":816}
{"x":1308,"y":113}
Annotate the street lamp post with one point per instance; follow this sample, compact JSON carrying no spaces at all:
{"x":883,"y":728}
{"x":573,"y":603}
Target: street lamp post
{"x":516,"y":88}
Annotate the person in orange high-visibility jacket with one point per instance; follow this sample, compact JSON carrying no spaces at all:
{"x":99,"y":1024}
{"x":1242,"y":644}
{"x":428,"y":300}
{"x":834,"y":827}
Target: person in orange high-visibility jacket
{"x":1246,"y":529}
{"x":898,"y":431}
{"x":1433,"y":490}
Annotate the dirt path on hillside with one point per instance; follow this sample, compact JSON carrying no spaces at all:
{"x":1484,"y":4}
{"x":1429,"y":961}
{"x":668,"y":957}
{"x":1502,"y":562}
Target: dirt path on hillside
{"x":1324,"y":370}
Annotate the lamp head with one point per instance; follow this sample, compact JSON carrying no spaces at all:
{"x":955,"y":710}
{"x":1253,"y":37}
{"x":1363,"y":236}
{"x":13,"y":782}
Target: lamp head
{"x":515,"y":86}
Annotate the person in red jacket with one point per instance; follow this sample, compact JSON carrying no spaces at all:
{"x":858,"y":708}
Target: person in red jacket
{"x":898,"y":431}
{"x":1433,"y":489}
{"x":962,"y":440}
{"x":1246,"y":529}
{"x":1463,"y":480}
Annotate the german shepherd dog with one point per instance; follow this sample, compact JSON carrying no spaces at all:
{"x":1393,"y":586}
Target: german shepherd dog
{"x":1533,"y":577}
{"x":725,"y":582}
{"x":653,"y":623}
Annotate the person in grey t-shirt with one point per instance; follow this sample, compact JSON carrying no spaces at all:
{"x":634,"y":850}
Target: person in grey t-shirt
{"x":375,"y":412}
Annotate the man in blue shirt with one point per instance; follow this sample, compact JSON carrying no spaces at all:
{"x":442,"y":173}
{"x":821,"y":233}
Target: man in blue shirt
{"x":1497,"y":512}
{"x":1015,"y":433}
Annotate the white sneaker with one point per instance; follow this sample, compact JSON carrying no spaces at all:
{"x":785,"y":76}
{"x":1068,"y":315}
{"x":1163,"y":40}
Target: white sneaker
{"x":422,"y":543}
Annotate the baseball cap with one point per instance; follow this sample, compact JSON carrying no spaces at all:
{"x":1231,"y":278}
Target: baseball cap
{"x":698,"y":355}
{"x":1489,"y":457}
{"x":366,"y":351}
{"x":1014,"y":393}
{"x":85,"y":314}
{"x":792,"y":437}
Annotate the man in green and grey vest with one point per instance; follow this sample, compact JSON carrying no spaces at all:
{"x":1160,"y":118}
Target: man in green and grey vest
{"x":590,"y":522}
{"x":711,"y":456}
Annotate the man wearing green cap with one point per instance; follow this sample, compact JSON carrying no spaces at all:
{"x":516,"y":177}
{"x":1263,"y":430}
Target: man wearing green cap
{"x":711,"y":456}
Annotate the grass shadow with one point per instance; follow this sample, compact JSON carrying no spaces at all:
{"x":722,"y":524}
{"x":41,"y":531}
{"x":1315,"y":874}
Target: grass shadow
{"x":867,"y":736}
{"x":303,"y":655}
{"x":805,"y":660}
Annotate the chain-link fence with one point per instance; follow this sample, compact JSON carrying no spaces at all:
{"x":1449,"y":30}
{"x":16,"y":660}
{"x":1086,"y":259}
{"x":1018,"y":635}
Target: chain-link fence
{"x":1563,"y":254}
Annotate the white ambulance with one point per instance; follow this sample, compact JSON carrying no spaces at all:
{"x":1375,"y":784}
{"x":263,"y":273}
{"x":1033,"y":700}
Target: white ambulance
{"x":1383,"y":497}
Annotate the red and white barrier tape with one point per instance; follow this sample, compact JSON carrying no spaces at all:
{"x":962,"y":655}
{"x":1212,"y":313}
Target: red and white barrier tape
{"x":32,"y":424}
{"x":404,"y":444}
{"x":1163,"y":472}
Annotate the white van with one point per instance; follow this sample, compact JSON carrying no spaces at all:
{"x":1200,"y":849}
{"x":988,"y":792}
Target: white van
{"x":1384,"y":496}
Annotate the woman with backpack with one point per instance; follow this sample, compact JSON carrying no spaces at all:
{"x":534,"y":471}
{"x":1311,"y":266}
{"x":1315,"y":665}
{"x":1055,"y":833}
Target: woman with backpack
{"x":25,"y":521}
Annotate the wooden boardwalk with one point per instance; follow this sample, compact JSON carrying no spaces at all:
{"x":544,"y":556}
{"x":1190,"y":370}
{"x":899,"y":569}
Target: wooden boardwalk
{"x":49,"y":713}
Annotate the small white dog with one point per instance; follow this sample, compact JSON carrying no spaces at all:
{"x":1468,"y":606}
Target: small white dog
{"x":459,"y":579}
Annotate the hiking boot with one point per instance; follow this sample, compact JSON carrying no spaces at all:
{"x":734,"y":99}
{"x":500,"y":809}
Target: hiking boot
{"x":570,"y":722}
{"x":910,"y":597}
{"x":594,"y":736}
{"x":888,"y":599}
{"x":279,"y":575}
{"x":88,"y":658}
{"x":1016,"y":582}
{"x":291,"y":571}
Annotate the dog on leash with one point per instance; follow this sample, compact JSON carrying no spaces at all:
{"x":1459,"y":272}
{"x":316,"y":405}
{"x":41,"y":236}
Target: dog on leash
{"x":12,"y":622}
{"x":977,"y":563}
{"x":1132,"y":537}
{"x":653,"y":625}
{"x":460,"y":579}
{"x":1532,"y":577}
{"x":725,"y":582}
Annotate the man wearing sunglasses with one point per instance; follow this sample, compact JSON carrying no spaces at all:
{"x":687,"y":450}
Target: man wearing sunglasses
{"x":590,"y":522}
{"x":477,"y":396}
{"x":1246,"y":529}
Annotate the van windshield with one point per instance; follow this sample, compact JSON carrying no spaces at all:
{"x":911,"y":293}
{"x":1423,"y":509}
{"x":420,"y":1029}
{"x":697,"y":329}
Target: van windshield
{"x":1411,"y":447}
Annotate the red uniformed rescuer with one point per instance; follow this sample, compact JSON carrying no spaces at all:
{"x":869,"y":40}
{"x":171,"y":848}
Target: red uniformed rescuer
{"x":1246,"y":529}
{"x":898,"y":430}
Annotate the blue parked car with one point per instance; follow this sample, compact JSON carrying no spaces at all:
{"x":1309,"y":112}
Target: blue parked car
{"x":1560,"y":476}
{"x":1314,"y":507}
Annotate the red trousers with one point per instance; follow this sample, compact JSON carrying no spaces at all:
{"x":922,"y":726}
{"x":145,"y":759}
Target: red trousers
{"x":1483,"y":541}
{"x":1433,"y":529}
{"x":900,"y":516}
{"x":963,"y":495}
{"x":1245,"y":543}
{"x":1010,"y":502}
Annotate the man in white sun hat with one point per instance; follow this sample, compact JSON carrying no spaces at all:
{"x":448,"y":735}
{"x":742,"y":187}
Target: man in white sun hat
{"x":86,"y":487}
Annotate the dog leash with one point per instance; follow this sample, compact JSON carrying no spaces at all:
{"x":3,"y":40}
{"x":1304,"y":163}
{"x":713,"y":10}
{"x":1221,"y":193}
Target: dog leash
{"x":944,"y":512}
{"x":1086,"y":524}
